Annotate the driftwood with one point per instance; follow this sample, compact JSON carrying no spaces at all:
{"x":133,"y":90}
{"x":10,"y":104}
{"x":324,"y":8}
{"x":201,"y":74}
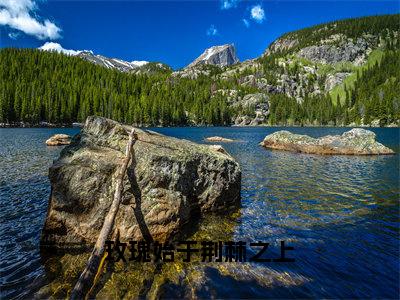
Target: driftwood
{"x":86,"y":279}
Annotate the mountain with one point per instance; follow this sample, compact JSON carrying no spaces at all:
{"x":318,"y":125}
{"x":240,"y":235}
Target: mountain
{"x":109,"y":63}
{"x":342,"y":73}
{"x":317,"y":60}
{"x":210,"y":62}
{"x":221,"y":56}
{"x":327,"y":62}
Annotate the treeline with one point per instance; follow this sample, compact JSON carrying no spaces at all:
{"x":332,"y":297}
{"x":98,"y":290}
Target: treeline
{"x":285,"y":110}
{"x":40,"y":86}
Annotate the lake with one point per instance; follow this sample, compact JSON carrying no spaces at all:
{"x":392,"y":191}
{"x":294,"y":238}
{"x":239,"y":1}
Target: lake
{"x":340,"y":213}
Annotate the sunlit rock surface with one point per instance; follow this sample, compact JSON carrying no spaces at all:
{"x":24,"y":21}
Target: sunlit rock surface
{"x":224,"y":55}
{"x":218,"y":139}
{"x":59,"y":140}
{"x":169,"y":184}
{"x":357,"y":141}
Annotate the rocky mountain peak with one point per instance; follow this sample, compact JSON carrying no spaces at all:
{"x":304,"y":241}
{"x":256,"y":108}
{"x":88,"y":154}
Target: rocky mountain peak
{"x":224,"y":55}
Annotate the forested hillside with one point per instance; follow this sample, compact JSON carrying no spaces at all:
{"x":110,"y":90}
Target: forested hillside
{"x":386,"y":27}
{"x":37,"y":86}
{"x":375,"y":96}
{"x":340,"y":73}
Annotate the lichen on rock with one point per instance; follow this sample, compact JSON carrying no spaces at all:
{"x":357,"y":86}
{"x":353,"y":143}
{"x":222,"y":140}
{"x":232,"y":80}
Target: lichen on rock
{"x":357,"y":141}
{"x":170,"y":183}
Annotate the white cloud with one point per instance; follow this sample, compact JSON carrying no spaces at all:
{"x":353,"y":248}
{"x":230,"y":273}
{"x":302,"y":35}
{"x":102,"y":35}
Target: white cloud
{"x":227,"y":4}
{"x":246,"y":23}
{"x":257,"y":13}
{"x":20,"y":15}
{"x":50,"y":46}
{"x":212,"y":30}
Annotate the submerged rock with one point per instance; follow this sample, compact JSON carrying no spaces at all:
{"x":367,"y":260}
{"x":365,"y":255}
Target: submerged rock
{"x":354,"y":142}
{"x":58,"y":140}
{"x":169,"y":183}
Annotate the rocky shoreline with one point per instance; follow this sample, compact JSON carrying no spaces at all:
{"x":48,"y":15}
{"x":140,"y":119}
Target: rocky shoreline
{"x":80,"y":125}
{"x":41,"y":125}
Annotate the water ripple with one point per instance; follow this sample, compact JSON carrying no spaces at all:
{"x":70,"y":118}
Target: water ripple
{"x":340,"y":213}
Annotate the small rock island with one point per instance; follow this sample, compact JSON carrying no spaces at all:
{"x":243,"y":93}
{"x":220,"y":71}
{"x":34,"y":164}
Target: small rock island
{"x":218,"y":139}
{"x":170,"y":183}
{"x":59,"y":140}
{"x":357,"y":141}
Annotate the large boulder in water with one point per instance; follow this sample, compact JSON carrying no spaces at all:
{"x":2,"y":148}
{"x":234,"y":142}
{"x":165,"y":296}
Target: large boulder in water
{"x":357,"y":141}
{"x":170,"y":183}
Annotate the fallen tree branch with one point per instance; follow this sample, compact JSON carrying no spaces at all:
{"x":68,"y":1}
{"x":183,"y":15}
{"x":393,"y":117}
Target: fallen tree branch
{"x":85,"y":281}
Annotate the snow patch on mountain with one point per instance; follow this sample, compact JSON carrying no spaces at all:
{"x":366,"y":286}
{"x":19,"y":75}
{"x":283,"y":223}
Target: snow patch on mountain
{"x":51,"y":46}
{"x":139,"y":63}
{"x":110,"y":63}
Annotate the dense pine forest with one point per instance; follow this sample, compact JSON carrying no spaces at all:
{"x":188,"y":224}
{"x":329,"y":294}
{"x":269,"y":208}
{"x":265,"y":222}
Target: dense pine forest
{"x":41,"y":86}
{"x":37,"y":86}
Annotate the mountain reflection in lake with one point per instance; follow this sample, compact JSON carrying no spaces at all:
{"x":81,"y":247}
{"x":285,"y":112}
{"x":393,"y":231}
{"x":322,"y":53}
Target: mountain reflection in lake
{"x":341,"y":213}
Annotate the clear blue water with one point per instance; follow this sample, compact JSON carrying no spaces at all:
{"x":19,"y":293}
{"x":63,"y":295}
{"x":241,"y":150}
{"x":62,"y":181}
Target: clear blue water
{"x":341,"y":213}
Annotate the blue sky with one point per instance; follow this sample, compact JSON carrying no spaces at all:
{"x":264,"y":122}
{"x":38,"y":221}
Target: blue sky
{"x":171,"y":32}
